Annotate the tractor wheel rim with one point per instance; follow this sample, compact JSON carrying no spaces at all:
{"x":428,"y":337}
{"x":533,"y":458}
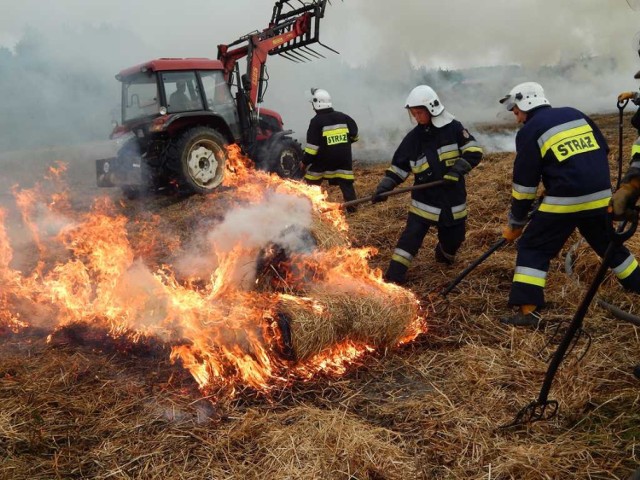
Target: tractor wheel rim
{"x":287,"y":161}
{"x":203,"y":164}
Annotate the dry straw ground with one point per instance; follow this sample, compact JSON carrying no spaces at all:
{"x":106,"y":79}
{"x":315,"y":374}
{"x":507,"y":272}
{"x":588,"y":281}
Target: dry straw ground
{"x":428,"y":410}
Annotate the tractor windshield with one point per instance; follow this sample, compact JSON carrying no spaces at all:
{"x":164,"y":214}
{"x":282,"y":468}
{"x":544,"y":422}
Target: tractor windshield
{"x":139,"y":96}
{"x":182,"y":92}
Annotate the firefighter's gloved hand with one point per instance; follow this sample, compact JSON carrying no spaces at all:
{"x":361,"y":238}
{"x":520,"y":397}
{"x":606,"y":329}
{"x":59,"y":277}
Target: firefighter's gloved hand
{"x":457,"y":171}
{"x":512,"y":232}
{"x":385,"y":185}
{"x":627,"y":96}
{"x":624,"y":200}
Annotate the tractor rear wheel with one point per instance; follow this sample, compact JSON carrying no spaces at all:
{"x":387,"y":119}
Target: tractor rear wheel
{"x":286,"y":156}
{"x":201,"y":158}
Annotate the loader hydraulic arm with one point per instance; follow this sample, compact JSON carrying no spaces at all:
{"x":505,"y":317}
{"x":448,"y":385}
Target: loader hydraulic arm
{"x":290,"y":31}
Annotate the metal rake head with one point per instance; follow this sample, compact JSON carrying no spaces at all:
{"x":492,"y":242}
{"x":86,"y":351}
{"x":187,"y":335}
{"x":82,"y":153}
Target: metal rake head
{"x":534,"y":412}
{"x":437,"y":303}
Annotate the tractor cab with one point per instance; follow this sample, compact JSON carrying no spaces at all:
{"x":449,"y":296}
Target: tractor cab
{"x":163,"y":90}
{"x":178,"y":117}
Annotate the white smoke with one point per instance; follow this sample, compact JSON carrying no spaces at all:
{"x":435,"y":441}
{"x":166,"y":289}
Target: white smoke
{"x":278,"y":219}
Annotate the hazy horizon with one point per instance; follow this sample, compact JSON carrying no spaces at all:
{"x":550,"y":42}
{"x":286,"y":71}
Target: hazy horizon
{"x":58,"y":60}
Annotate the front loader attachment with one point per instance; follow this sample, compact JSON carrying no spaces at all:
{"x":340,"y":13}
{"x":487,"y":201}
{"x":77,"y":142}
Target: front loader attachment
{"x":287,"y":18}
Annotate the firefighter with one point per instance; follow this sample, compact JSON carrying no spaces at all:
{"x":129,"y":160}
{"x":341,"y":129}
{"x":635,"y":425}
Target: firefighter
{"x":566,"y":150}
{"x":327,"y":154}
{"x":625,"y":198}
{"x":438,"y":148}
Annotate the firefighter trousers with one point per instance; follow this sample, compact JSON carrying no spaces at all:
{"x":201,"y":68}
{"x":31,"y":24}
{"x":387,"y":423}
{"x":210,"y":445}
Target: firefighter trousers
{"x":542,"y":240}
{"x":449,"y":240}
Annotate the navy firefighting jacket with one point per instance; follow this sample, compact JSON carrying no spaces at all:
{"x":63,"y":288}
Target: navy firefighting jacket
{"x":328,"y":149}
{"x":429,"y":152}
{"x":566,"y":150}
{"x":634,"y":167}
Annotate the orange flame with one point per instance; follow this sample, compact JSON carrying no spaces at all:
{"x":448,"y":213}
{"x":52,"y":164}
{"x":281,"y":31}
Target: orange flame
{"x":224,"y":331}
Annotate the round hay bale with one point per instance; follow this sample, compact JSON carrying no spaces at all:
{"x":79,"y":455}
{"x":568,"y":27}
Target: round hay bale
{"x":377,"y":319}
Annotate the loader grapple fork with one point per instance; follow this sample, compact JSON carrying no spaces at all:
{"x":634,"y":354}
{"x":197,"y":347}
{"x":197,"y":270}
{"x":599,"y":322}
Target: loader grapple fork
{"x":286,"y":18}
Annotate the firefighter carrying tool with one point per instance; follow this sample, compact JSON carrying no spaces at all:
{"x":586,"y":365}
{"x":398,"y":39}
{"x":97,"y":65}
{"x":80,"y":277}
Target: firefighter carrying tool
{"x":438,"y":148}
{"x":623,"y":202}
{"x":566,"y":150}
{"x":542,"y":408}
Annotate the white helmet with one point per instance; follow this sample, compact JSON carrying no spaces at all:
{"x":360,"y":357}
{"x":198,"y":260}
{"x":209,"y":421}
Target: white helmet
{"x":320,"y":99}
{"x":425,"y":96}
{"x":526,"y":96}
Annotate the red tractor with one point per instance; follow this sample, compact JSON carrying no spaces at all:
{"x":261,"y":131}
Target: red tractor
{"x":180,"y":114}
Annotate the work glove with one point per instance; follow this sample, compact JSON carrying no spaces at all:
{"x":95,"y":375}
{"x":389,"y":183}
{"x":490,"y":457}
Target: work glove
{"x":457,"y":170}
{"x":514,"y":228}
{"x":385,"y":185}
{"x":511,"y":233}
{"x":624,"y":200}
{"x":633,"y":96}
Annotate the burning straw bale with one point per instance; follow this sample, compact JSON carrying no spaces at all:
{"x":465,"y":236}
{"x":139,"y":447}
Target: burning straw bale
{"x":326,"y":235}
{"x":328,"y":319}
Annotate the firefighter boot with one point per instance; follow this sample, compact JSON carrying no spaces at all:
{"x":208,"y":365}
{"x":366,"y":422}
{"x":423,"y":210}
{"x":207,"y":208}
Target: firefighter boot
{"x":442,"y":256}
{"x":527,"y":316}
{"x":396,"y":273}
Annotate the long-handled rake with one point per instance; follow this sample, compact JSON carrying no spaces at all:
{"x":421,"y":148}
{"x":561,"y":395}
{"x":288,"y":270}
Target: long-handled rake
{"x":397,"y":191}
